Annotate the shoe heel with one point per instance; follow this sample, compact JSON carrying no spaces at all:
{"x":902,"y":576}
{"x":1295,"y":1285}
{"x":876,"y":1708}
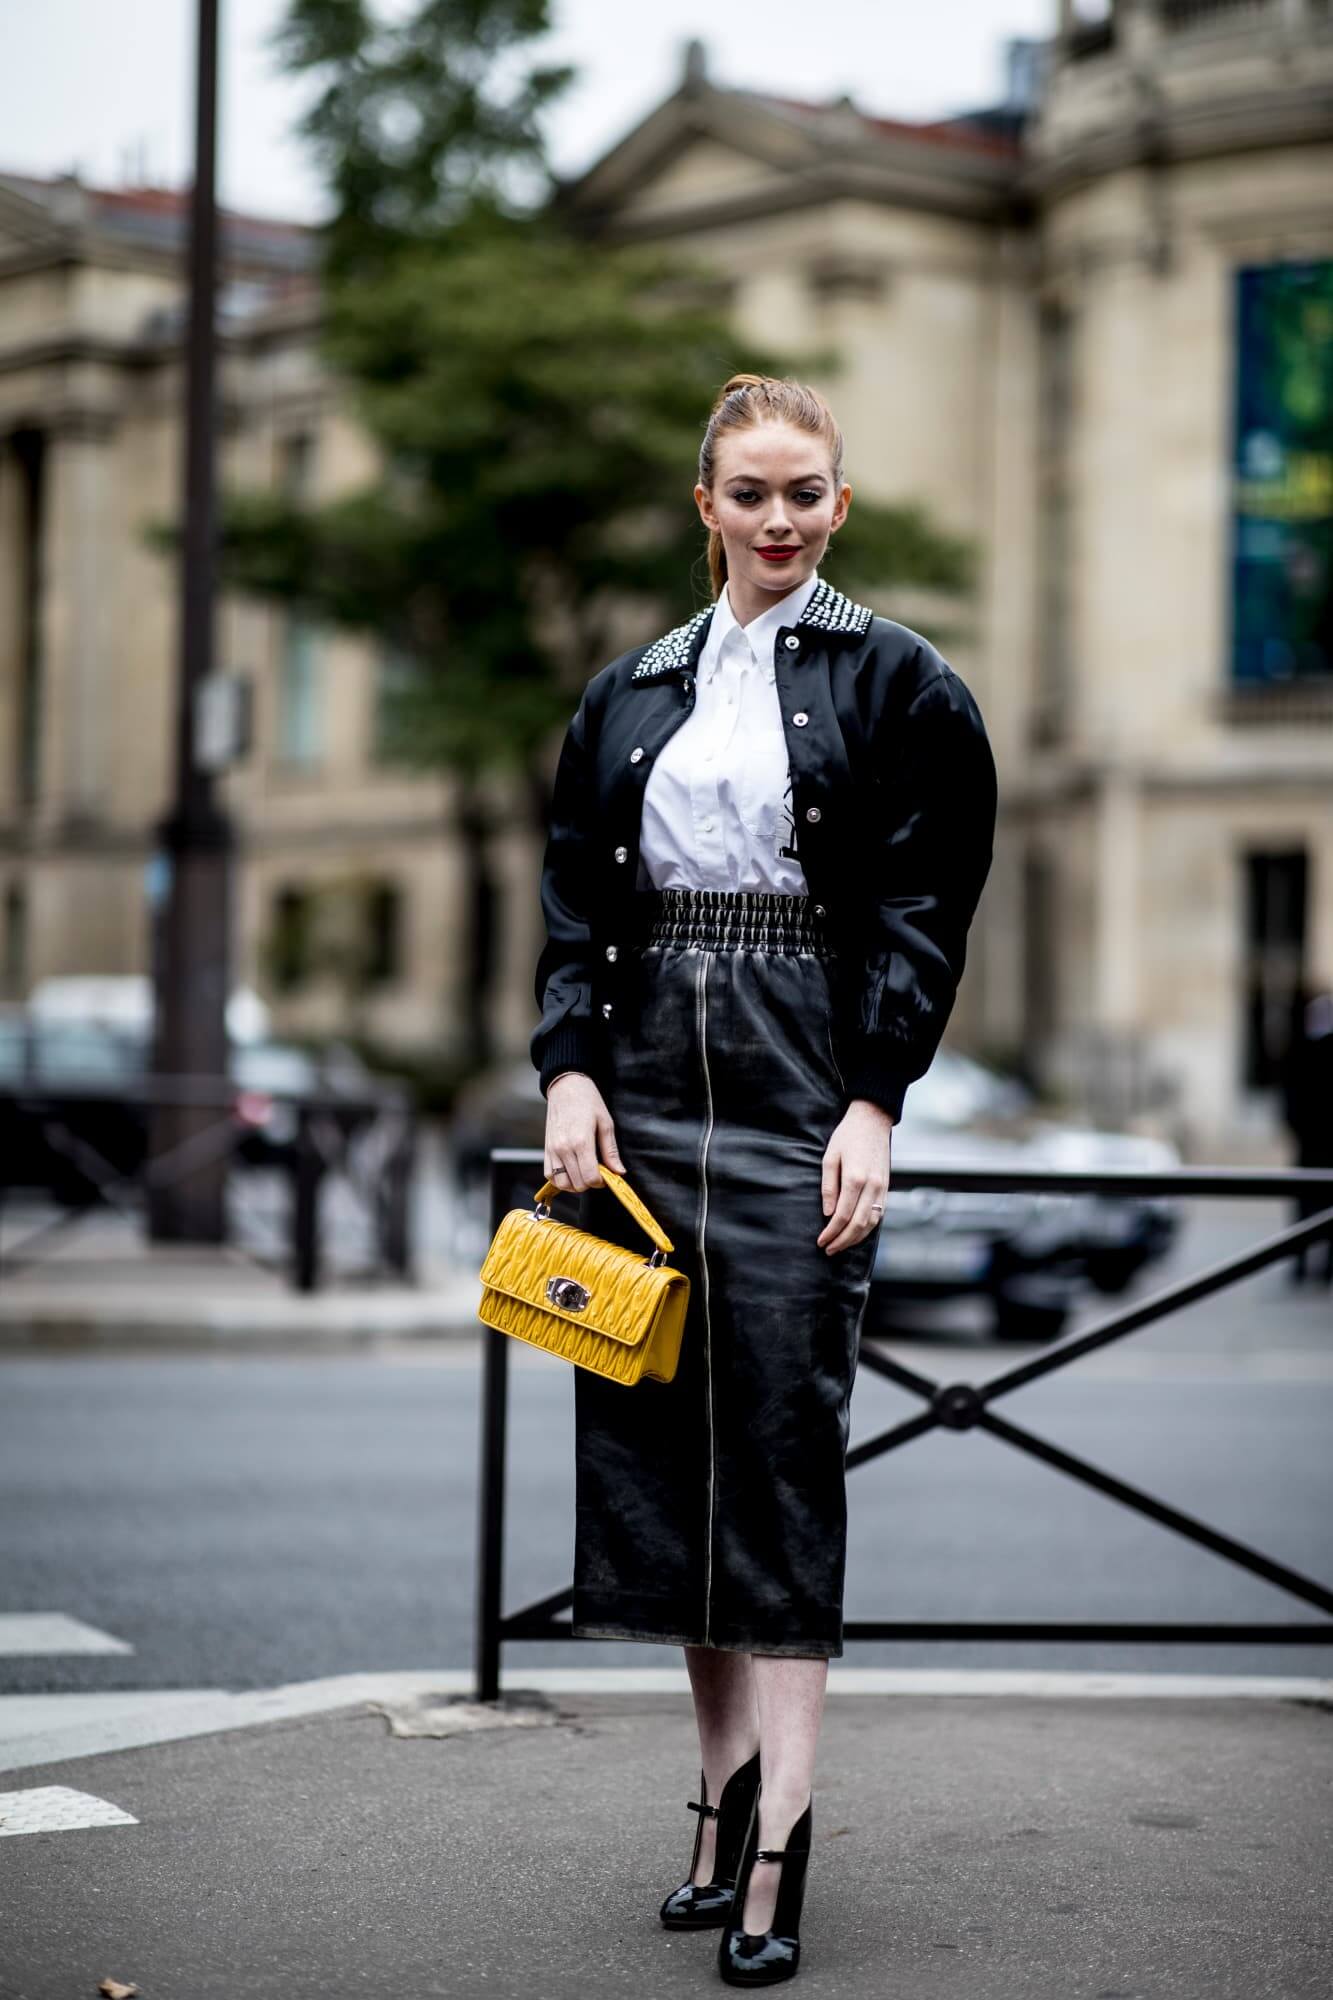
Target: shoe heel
{"x":745,"y":1958}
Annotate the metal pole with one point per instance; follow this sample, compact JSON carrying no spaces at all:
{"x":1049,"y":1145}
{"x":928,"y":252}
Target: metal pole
{"x":195,"y":839}
{"x":491,"y":1497}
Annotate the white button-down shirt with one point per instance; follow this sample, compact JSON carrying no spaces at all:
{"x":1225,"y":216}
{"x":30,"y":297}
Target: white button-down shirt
{"x":717,"y":807}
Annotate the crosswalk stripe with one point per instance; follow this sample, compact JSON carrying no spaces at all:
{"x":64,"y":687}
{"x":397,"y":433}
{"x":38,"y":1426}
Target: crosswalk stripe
{"x":57,"y":1809}
{"x":32,"y":1632}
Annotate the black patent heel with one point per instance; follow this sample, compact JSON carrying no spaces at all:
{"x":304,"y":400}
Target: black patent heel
{"x":697,"y":1906}
{"x":745,"y":1958}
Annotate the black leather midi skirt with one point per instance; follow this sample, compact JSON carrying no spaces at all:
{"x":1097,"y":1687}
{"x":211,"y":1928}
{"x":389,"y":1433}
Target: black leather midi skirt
{"x":711,"y":1510}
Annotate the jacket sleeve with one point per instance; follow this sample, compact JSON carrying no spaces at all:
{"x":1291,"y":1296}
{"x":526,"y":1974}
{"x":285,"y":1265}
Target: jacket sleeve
{"x":931,"y":849}
{"x":566,"y":1035}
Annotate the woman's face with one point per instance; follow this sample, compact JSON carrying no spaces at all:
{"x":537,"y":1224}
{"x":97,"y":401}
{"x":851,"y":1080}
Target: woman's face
{"x":774,"y":503}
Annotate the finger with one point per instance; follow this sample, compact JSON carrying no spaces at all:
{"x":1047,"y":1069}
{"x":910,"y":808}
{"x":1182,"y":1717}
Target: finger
{"x":834,"y":1230}
{"x":864,"y":1221}
{"x":830,"y":1179}
{"x":606,"y":1137}
{"x":586,"y":1162}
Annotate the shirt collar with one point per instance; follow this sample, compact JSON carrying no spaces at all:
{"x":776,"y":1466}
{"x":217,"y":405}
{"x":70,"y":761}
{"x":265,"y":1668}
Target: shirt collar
{"x":761,"y":632}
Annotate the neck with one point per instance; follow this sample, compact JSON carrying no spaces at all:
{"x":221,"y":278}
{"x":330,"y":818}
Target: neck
{"x":748,"y":599}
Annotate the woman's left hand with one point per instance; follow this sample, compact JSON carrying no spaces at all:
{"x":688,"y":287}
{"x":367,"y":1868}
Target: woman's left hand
{"x":856,"y":1175}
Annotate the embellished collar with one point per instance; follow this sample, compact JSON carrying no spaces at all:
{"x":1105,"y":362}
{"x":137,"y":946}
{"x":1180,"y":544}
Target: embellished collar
{"x":828,"y":610}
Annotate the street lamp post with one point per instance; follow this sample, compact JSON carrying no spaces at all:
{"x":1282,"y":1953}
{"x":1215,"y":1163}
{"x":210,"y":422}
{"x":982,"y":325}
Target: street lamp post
{"x":192,"y":969}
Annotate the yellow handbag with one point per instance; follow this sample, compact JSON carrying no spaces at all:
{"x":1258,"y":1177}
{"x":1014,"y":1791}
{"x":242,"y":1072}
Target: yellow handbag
{"x":591,"y":1302}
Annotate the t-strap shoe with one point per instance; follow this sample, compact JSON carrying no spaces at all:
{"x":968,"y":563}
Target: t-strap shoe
{"x":747,"y":1959}
{"x":698,"y":1906}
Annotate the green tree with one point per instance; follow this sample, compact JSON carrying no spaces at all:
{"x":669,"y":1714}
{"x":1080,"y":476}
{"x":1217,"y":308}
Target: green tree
{"x":536,"y":403}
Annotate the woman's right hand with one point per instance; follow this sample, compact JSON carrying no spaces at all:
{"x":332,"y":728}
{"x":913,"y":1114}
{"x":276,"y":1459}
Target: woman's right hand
{"x":579,"y":1132}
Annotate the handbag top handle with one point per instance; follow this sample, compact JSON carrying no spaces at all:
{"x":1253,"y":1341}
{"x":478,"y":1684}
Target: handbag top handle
{"x":626,"y":1196}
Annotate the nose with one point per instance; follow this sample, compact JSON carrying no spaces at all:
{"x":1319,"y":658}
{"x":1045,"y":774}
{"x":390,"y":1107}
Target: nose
{"x":776,"y":523}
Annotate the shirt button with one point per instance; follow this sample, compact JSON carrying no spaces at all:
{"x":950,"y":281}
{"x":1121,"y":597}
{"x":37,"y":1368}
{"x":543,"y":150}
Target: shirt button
{"x":800,"y":718}
{"x":622,"y":854}
{"x":705,"y":826}
{"x":791,"y":642}
{"x":613,"y":952}
{"x":813,"y":813}
{"x":636,"y":753}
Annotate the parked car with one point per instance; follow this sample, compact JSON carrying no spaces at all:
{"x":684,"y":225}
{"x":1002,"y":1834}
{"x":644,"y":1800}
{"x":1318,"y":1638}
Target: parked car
{"x":69,"y":1107}
{"x":1028,"y":1255}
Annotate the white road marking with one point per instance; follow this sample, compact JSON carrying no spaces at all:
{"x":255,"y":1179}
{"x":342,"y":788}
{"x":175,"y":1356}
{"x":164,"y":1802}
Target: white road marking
{"x":57,"y":1809}
{"x":32,"y":1632}
{"x":52,"y":1728}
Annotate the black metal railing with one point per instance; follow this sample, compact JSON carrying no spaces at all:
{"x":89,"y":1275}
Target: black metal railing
{"x":368,"y":1142}
{"x":958,"y":1406}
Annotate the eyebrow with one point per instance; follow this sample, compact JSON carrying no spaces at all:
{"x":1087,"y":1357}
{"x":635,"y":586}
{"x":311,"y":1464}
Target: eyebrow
{"x":753,"y":479}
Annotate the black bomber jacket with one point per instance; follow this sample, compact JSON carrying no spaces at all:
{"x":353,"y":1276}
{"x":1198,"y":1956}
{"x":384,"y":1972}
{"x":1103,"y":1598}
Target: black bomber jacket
{"x":894,"y":804}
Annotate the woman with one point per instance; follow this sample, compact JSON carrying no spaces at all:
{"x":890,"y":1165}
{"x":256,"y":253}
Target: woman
{"x":770,"y":830}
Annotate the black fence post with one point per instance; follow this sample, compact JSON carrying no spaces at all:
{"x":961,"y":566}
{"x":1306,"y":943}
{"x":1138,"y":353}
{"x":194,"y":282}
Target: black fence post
{"x":307,"y":1173}
{"x":490,"y":1514}
{"x":396,"y":1214}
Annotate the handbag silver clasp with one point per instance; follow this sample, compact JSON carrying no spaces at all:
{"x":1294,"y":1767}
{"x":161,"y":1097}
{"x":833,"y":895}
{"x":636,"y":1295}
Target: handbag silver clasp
{"x":568,"y":1294}
{"x":656,"y":1257}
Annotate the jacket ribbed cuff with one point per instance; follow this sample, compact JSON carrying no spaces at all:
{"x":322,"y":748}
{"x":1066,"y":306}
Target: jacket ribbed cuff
{"x":570,"y":1046}
{"x":881,"y":1081}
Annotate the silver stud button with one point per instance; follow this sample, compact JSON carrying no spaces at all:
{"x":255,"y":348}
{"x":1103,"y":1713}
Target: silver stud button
{"x":792,"y":643}
{"x":622,"y":854}
{"x":820,"y":910}
{"x":613,"y":952}
{"x":636,"y":753}
{"x":606,"y":1009}
{"x":800,"y":718}
{"x":813,"y":813}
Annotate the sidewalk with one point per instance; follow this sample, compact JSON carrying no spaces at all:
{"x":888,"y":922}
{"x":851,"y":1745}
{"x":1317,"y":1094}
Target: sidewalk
{"x":168,"y":1297}
{"x":980,"y":1846}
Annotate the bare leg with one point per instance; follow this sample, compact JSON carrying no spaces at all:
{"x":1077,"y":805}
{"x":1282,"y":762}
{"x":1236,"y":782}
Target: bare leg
{"x":790,"y":1696}
{"x":728,"y":1720}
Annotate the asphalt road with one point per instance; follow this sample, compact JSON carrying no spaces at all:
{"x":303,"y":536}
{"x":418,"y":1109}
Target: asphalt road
{"x":241,"y":1523}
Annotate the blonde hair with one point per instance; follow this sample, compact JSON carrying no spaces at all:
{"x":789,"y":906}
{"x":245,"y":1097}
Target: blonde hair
{"x":742,"y":403}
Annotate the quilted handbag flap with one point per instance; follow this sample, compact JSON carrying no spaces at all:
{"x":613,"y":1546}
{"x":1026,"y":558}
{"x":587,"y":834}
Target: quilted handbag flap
{"x":562,"y":1270}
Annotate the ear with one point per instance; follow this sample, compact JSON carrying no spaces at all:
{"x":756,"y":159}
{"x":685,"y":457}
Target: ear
{"x":703,"y":500}
{"x":840,"y":507}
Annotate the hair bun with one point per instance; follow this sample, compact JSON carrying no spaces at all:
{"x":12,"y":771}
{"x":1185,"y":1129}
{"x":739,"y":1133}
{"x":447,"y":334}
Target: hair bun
{"x":736,"y":382}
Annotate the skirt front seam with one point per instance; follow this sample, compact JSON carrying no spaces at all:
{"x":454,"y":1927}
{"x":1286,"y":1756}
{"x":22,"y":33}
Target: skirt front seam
{"x":701,"y":990}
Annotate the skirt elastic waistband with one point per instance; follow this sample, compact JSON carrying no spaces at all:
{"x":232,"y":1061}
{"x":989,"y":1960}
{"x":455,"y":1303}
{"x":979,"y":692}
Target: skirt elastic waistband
{"x":730,"y":920}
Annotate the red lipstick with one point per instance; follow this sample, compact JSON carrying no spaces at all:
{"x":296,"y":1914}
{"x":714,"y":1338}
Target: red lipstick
{"x":779,"y":552}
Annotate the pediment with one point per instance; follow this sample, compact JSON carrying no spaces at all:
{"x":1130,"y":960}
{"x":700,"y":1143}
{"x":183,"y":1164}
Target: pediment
{"x":706,"y":171}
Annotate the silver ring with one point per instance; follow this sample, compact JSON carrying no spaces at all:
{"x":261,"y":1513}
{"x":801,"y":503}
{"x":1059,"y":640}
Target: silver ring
{"x":877,"y":1208}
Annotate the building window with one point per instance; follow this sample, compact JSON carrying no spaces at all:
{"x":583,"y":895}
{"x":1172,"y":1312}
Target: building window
{"x":1275,"y":892}
{"x":1282,"y":476}
{"x":14,"y":944}
{"x":27,"y":635}
{"x":395,"y":677}
{"x":290,"y":950}
{"x":296,"y":464}
{"x":1054,"y":527}
{"x":1041,"y":945}
{"x":383,"y":934}
{"x":300,"y":718}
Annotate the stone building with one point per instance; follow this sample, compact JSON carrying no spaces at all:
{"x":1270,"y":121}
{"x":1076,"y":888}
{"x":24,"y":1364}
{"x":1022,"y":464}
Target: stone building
{"x":1090,"y":327}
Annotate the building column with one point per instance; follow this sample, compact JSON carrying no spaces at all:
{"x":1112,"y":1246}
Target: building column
{"x":77,"y":618}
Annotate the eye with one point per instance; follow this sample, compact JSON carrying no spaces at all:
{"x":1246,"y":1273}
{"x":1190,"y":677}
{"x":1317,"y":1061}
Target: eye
{"x":809,"y":496}
{"x":745,"y":494}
